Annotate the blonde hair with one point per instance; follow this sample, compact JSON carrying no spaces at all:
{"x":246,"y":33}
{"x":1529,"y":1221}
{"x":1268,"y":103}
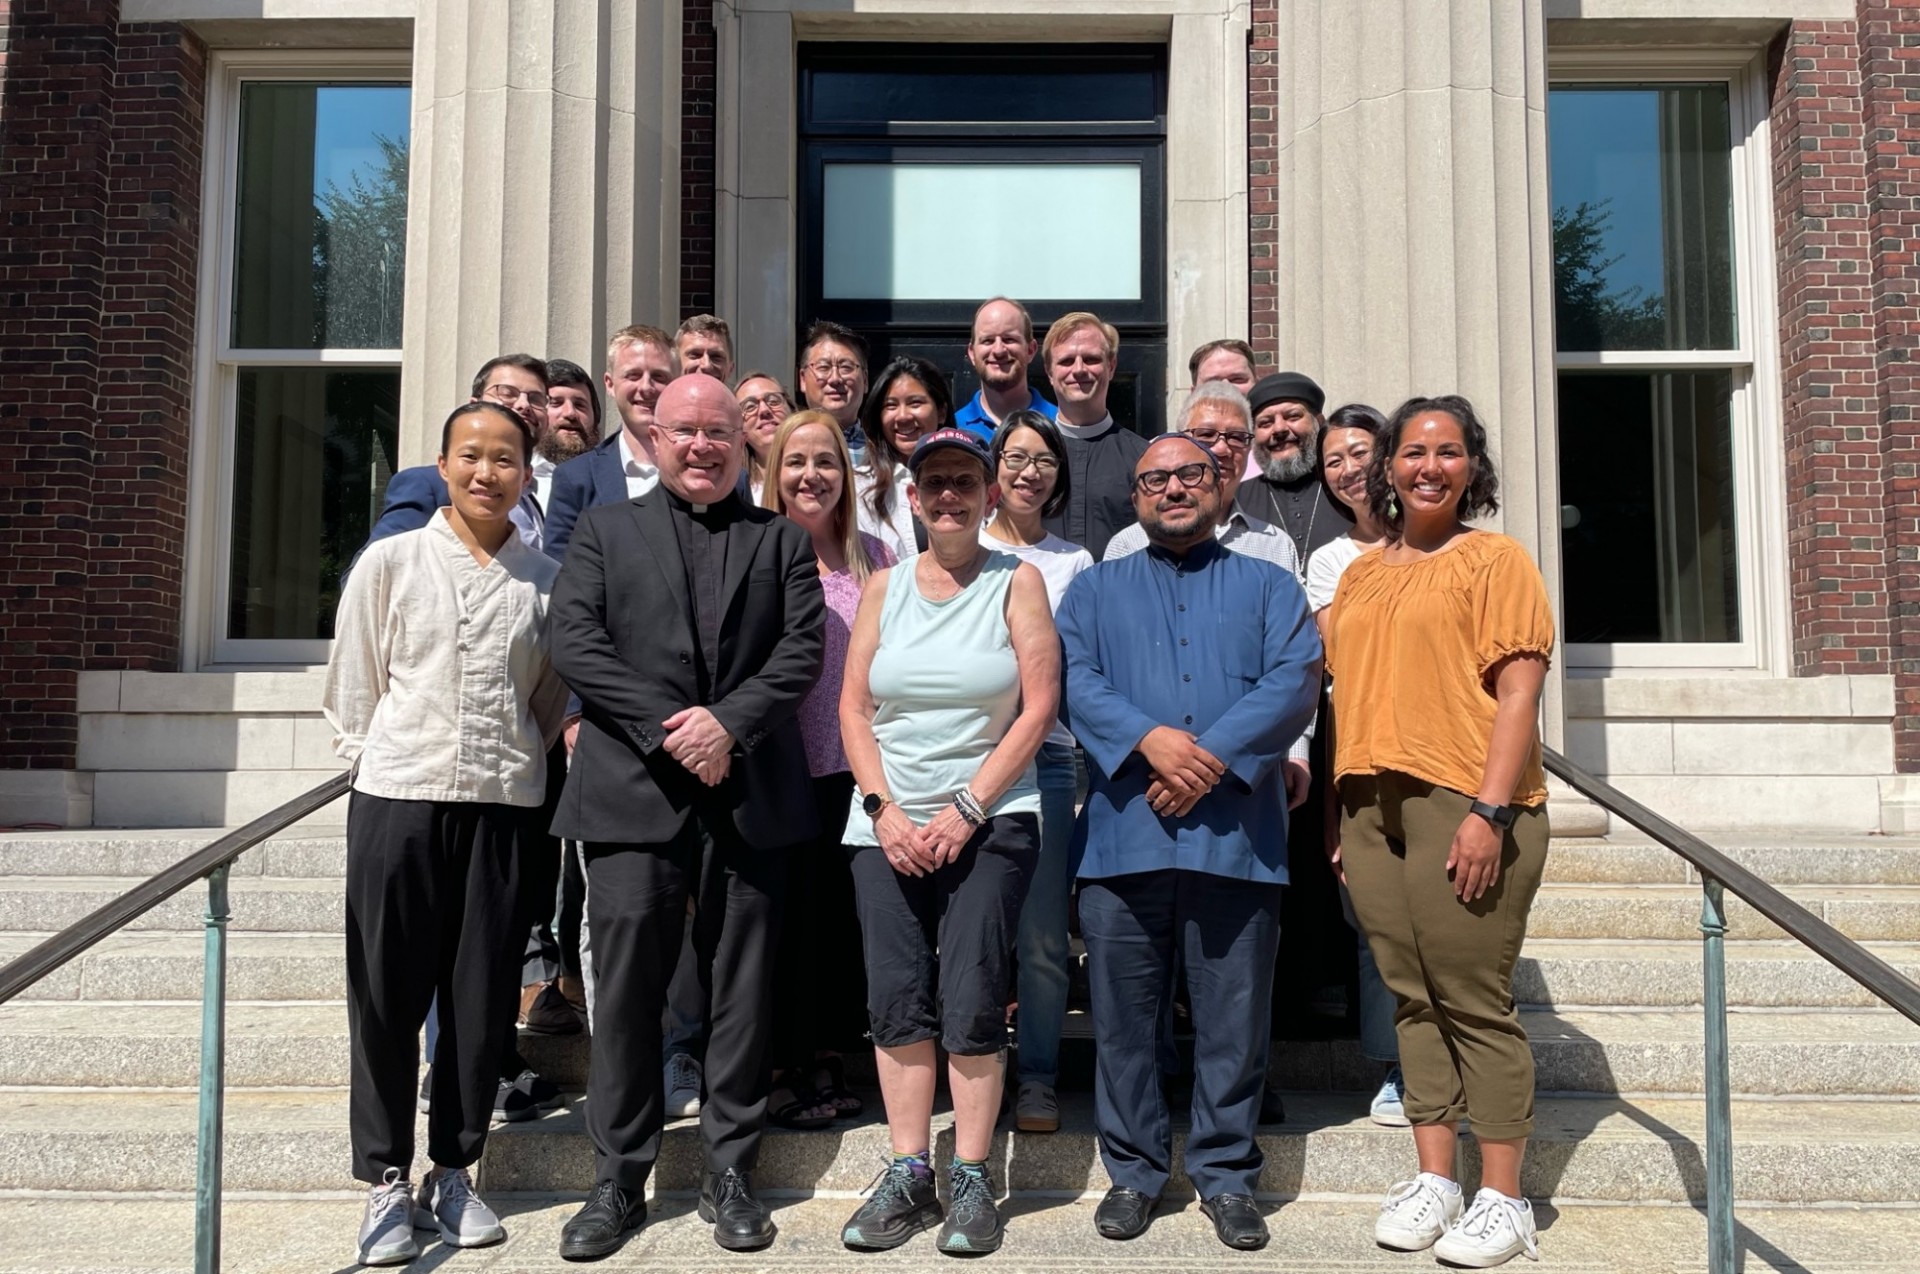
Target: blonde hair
{"x":846,"y":515}
{"x":1067,"y":324}
{"x":642,"y":334}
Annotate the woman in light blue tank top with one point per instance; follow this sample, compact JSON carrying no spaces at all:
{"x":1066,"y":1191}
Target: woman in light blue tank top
{"x":952,"y":683}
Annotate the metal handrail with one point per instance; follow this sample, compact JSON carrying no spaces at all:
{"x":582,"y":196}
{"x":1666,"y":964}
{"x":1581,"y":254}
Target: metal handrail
{"x":213,"y":864}
{"x":1718,"y":874}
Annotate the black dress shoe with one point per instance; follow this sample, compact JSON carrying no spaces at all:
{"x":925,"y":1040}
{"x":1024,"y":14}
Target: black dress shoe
{"x":599,"y":1228}
{"x":741,"y":1223}
{"x":1237,"y":1220}
{"x":1272,"y":1109}
{"x":1124,"y":1214}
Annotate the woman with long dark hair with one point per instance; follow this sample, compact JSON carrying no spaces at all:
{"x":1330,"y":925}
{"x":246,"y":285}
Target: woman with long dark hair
{"x":910,"y":400}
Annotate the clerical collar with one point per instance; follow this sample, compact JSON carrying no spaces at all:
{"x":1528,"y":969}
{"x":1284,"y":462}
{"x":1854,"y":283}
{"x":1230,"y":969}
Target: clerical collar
{"x":1083,"y":432}
{"x":685,"y":505}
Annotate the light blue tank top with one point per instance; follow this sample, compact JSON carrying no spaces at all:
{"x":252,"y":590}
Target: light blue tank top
{"x":945,"y":686}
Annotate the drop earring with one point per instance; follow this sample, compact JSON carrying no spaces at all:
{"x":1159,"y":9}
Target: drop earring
{"x":1393,"y":504}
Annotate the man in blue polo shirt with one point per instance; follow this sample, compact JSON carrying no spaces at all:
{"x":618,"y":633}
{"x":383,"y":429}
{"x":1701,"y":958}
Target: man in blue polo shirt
{"x":1000,"y":349}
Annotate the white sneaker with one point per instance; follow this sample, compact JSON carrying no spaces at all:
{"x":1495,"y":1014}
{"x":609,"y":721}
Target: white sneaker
{"x":1389,"y":1108}
{"x":1417,"y":1212}
{"x":683,"y":1086}
{"x":386,"y":1229}
{"x":1494,"y":1231}
{"x":446,"y":1202}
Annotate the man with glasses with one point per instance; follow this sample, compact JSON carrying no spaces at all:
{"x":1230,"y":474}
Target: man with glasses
{"x":1079,"y":352}
{"x":833,"y":378}
{"x":1285,"y":488}
{"x":1190,"y":670}
{"x":691,"y":625}
{"x":1000,"y":348}
{"x":640,"y":365}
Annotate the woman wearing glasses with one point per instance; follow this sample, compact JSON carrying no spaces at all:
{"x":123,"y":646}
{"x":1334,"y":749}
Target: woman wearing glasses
{"x":1031,"y":463}
{"x":763,"y":406}
{"x":946,"y":830}
{"x":910,"y":400}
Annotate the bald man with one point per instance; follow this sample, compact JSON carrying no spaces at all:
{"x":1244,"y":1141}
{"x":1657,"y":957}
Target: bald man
{"x":690,"y":624}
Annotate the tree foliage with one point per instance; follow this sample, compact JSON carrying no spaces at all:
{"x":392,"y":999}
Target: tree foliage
{"x":360,"y":254}
{"x":1590,"y":313}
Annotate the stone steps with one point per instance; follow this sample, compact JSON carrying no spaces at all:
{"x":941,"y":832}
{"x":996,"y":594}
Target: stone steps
{"x":1642,"y":1150}
{"x":1773,"y":1052}
{"x":264,"y":1236}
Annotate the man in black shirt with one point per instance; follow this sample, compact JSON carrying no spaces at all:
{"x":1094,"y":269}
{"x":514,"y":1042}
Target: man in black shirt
{"x":1287,"y":490}
{"x":1079,"y":352}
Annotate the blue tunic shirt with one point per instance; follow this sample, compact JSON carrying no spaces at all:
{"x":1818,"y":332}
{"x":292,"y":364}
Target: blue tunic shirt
{"x":1213,"y":643}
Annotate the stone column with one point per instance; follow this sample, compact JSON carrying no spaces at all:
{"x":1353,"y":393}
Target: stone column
{"x":544,"y":193}
{"x":1414,"y":243}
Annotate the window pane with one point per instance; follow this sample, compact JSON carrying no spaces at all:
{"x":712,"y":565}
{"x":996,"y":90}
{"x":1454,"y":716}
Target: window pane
{"x":320,"y":240}
{"x":312,"y":453}
{"x":950,"y":232}
{"x":1646,"y":489}
{"x":1642,"y":217}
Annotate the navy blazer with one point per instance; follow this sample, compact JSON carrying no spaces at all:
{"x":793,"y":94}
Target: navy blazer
{"x":413,"y":496}
{"x":578,"y":485}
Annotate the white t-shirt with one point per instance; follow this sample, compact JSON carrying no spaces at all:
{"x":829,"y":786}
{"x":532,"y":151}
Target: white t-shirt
{"x":1058,"y":560}
{"x":1325,"y":567}
{"x":897,"y":531}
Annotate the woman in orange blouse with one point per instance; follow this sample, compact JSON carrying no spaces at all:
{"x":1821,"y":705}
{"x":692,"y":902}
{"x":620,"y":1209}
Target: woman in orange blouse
{"x":1438,"y":643}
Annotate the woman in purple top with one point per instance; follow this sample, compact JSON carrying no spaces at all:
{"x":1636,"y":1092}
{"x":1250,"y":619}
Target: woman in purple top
{"x":820,"y":984}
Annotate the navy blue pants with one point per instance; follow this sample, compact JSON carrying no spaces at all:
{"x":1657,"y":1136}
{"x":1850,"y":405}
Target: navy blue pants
{"x":1226,"y":933}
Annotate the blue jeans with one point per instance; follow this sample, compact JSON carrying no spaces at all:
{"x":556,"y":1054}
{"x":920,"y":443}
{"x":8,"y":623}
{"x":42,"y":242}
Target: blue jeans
{"x":1377,"y":1039}
{"x":1043,"y":944}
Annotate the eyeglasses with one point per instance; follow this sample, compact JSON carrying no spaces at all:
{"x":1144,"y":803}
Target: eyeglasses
{"x":1154,"y":481}
{"x":683,"y":437}
{"x":771,"y":402}
{"x":959,"y":484}
{"x":824,"y":368}
{"x":1237,"y":439}
{"x":1015,"y":461}
{"x":508,"y":395}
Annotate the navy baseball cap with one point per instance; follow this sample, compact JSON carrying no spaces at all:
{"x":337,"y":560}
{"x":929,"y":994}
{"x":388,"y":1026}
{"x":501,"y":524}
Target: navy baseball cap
{"x":943,"y":439}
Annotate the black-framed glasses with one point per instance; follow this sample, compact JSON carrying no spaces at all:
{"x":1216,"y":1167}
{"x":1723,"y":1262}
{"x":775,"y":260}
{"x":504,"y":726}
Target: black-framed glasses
{"x":1154,"y":481}
{"x":1015,"y":461}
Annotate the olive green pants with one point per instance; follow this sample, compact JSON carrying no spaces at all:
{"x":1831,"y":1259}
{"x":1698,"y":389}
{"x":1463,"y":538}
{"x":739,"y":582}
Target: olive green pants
{"x":1448,"y":963}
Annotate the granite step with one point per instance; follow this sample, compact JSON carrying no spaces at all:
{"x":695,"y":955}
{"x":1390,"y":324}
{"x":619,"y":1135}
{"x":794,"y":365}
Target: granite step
{"x":1601,"y":1149}
{"x":122,"y":852}
{"x":272,"y":1236}
{"x":1773,"y":1052}
{"x":168,"y":966}
{"x":274,"y":904}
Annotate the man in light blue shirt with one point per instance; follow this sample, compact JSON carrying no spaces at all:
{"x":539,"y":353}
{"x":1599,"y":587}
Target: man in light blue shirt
{"x":1190,"y":670}
{"x":1001,"y":349}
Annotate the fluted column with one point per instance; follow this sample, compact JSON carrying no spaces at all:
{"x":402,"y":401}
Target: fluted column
{"x":543,"y":198}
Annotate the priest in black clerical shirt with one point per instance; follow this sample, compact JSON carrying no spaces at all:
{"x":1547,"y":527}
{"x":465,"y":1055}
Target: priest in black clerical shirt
{"x":690,"y":625}
{"x":1285,"y":488}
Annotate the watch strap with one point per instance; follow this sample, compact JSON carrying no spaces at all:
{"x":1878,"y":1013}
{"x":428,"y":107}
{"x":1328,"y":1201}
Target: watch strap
{"x":1500,"y":816}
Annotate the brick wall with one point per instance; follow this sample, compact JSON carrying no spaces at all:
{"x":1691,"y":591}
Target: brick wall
{"x":99,"y":173}
{"x":1889,"y":36}
{"x":697,"y":60}
{"x":1263,"y":183}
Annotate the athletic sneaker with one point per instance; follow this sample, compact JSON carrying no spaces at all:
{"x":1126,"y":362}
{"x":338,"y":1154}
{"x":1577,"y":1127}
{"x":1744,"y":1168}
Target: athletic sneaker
{"x":446,"y":1202}
{"x":683,"y":1086}
{"x":902,"y":1204}
{"x":1037,"y":1109}
{"x":1417,"y":1213}
{"x":386,"y":1231}
{"x":1494,"y":1231}
{"x":1389,"y":1107}
{"x":973,"y":1222}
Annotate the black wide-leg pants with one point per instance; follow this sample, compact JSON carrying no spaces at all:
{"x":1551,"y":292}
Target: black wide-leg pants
{"x":636,"y":908}
{"x":433,"y":906}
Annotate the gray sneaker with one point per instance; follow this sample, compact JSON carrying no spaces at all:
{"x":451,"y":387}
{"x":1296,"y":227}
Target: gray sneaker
{"x":446,"y":1202}
{"x":683,"y":1086}
{"x":386,"y":1231}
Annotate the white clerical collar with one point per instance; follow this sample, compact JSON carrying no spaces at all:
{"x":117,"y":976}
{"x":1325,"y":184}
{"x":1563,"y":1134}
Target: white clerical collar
{"x":1093,"y":430}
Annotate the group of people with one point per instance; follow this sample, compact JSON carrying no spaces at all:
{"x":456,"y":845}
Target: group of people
{"x":754,"y":731}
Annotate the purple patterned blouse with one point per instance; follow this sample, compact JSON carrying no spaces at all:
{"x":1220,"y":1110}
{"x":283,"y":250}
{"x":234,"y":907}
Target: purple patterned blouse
{"x":820,"y":710}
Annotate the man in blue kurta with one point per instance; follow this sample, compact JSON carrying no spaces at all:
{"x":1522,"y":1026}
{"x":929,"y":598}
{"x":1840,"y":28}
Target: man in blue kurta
{"x":1190,"y":669}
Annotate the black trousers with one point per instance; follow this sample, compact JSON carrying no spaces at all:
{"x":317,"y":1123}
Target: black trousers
{"x":433,"y":904}
{"x":1225,"y":933}
{"x":636,"y":905}
{"x":820,"y":979}
{"x":541,"y":878}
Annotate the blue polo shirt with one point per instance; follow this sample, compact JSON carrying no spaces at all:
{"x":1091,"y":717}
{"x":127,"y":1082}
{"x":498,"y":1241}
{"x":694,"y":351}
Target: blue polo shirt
{"x":1213,"y":643}
{"x":973,"y":416}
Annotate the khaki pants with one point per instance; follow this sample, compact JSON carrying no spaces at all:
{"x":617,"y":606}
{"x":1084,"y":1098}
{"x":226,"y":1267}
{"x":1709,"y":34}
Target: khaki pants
{"x":1448,"y":963}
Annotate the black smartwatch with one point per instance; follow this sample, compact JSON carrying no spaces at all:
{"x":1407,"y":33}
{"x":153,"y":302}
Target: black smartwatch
{"x":875,"y":802}
{"x":1501,"y":816}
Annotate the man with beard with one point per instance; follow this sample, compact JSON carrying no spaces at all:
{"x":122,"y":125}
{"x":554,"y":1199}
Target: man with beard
{"x":1287,"y":490}
{"x":640,"y":364}
{"x":1001,"y":349}
{"x":1080,"y":353}
{"x":1190,"y":670}
{"x":573,"y":422}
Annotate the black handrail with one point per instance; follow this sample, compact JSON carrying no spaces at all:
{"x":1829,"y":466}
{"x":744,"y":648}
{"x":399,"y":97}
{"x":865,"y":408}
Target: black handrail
{"x":76,"y":938}
{"x":1836,"y":948}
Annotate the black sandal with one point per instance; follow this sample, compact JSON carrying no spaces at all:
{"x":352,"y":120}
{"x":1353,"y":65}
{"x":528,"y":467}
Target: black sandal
{"x":835,"y":1090}
{"x":792,"y":1113}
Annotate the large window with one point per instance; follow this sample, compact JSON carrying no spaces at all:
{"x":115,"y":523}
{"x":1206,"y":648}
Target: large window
{"x":1661,"y":445}
{"x":303,"y":399}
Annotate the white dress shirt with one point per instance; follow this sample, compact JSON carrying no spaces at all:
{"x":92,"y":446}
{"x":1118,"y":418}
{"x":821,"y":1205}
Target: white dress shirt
{"x":642,"y":474}
{"x":542,"y":480}
{"x":440,"y":687}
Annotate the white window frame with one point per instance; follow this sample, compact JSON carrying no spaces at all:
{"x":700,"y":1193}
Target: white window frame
{"x":1759,"y":447}
{"x":204,"y":643}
